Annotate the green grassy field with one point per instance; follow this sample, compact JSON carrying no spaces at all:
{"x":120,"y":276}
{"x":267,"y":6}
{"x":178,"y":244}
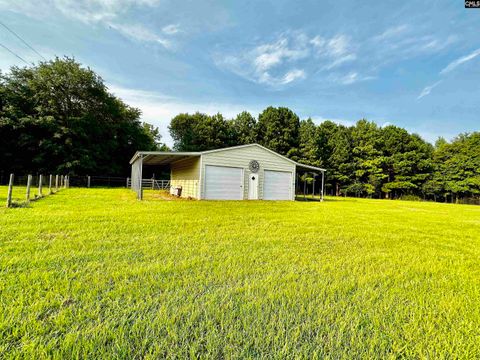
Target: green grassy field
{"x":93,"y":273}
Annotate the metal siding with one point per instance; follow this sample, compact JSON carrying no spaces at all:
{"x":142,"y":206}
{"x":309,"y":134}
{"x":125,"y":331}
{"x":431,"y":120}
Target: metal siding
{"x":136,"y":176}
{"x":277,"y":185}
{"x":186,"y":173}
{"x":223,"y":183}
{"x":241,"y":157}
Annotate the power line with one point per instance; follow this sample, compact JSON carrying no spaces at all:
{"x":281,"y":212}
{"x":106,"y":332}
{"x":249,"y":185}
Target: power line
{"x":27,"y":44}
{"x":18,"y":56}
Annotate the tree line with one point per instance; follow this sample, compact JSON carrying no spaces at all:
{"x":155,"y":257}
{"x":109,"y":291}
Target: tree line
{"x":58,"y":117}
{"x":364,"y":160}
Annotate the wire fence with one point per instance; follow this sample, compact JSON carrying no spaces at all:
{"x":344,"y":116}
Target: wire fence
{"x":23,"y":189}
{"x":98,"y":181}
{"x":112,"y":181}
{"x":19,"y":190}
{"x":152,"y":184}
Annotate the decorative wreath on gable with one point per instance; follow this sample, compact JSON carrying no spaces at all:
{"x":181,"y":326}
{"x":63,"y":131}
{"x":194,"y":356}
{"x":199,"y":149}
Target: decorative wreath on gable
{"x":254,"y":166}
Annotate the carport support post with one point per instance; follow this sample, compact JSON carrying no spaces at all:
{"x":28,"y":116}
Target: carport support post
{"x":140,"y":190}
{"x":313,"y":186}
{"x":323,"y":184}
{"x":304,"y":186}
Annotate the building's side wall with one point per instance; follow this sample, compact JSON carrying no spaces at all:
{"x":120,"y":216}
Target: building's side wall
{"x":186,"y":173}
{"x":241,"y":158}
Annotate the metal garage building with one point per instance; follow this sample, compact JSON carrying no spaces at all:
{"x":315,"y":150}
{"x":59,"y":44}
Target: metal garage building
{"x":245,"y":172}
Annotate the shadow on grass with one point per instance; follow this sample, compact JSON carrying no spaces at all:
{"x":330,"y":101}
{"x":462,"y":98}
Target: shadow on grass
{"x":26,"y":204}
{"x":325,"y":199}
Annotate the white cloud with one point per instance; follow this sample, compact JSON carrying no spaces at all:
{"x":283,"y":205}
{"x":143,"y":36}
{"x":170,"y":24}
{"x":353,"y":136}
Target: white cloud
{"x":450,"y":67}
{"x":427,"y":90}
{"x":293,"y":75}
{"x":402,"y":48}
{"x":269,"y":63}
{"x":402,"y":42}
{"x":335,"y":51}
{"x":320,"y":119}
{"x":109,"y":13}
{"x":270,"y":55}
{"x":391,"y":32}
{"x":286,"y":59}
{"x":340,"y":61}
{"x":171,"y":29}
{"x":137,"y":95}
{"x":317,"y":41}
{"x":140,"y":33}
{"x":349,"y":78}
{"x":338,"y":45}
{"x":460,"y":61}
{"x":88,"y":11}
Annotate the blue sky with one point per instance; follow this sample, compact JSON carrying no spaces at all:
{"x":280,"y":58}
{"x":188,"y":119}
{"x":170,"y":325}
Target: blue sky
{"x":414,"y":64}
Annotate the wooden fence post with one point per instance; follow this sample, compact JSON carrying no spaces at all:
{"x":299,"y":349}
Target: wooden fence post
{"x":9,"y":194}
{"x":88,"y":181}
{"x":61,"y":181}
{"x":56,"y":183}
{"x":128,"y":180}
{"x":50,"y":180}
{"x":40,"y":179}
{"x":29,"y":184}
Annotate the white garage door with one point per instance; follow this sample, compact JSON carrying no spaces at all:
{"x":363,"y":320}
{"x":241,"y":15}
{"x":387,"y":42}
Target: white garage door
{"x":223,"y":183}
{"x":277,"y":185}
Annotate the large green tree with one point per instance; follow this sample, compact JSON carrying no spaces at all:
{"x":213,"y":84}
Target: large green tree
{"x":339,"y":165}
{"x":199,"y":132}
{"x":59,"y":117}
{"x":367,"y":158}
{"x":308,"y":149}
{"x":244,"y":128}
{"x":457,"y":168}
{"x":278,"y":130}
{"x":407,"y":161}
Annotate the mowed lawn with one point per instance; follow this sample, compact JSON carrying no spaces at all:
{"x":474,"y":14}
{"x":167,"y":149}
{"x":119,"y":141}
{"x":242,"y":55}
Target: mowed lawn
{"x":93,"y":273}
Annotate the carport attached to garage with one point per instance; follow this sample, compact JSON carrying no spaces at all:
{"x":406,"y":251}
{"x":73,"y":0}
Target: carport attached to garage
{"x":243,"y":172}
